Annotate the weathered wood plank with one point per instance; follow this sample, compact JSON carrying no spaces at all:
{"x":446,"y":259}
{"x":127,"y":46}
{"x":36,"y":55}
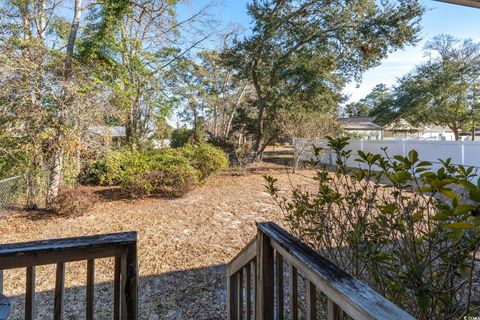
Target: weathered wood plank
{"x":265,"y":278}
{"x":255,"y":286}
{"x":4,"y":307}
{"x":333,"y":311}
{"x":18,"y":255}
{"x":293,"y":301}
{"x":129,"y":309}
{"x":248,"y":291}
{"x":122,"y":246}
{"x":279,"y":285}
{"x":30,"y":294}
{"x":117,"y":287}
{"x":356,"y":298}
{"x":240,"y":294}
{"x":90,"y":289}
{"x":243,"y":258}
{"x":311,"y":299}
{"x":232,"y":296}
{"x":59,"y":291}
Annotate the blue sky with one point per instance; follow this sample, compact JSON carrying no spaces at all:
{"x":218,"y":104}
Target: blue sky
{"x":461,"y":22}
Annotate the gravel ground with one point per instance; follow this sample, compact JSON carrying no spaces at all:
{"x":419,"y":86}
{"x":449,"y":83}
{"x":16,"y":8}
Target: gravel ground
{"x":183,"y":246}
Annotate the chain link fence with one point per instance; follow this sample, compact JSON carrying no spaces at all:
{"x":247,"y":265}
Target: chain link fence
{"x":11,"y":193}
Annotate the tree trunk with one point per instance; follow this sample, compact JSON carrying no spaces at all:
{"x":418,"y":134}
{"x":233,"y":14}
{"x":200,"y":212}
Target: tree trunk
{"x":41,"y":26}
{"x":54,"y":176}
{"x":24,"y":11}
{"x":260,"y":134}
{"x":215,"y":120}
{"x":229,"y":123}
{"x":55,"y":167}
{"x":263,"y":146}
{"x":261,"y":114}
{"x":33,"y":189}
{"x":298,"y":154}
{"x":72,"y":37}
{"x":473,"y":130}
{"x":455,"y":132}
{"x":131,"y":129}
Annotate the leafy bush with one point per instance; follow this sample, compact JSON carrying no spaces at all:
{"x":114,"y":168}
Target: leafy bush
{"x":119,"y":165}
{"x":167,"y":172}
{"x":74,"y":201}
{"x":409,"y":231}
{"x":92,"y":173}
{"x":181,"y":137}
{"x":205,"y":158}
{"x":225,"y":145}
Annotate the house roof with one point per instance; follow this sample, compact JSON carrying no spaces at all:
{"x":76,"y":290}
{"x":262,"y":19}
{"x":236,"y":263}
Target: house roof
{"x":468,"y":3}
{"x":359,"y":123}
{"x":114,"y":131}
{"x":403,"y":125}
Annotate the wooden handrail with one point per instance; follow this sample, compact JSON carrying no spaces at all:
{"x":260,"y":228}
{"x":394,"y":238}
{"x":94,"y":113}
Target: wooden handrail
{"x":243,"y":257}
{"x":274,"y":247}
{"x":121,"y":246}
{"x":239,"y":276}
{"x":4,"y":307}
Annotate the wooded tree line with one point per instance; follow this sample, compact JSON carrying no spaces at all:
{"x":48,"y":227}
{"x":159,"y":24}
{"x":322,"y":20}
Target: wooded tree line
{"x":68,"y":65}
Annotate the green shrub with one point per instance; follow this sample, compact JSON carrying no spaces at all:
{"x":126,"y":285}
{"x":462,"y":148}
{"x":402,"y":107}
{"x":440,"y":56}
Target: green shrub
{"x":181,"y":137}
{"x":74,"y":201}
{"x":167,"y":182}
{"x":153,"y":172}
{"x":226,"y":145}
{"x":122,"y":164}
{"x":167,"y":172}
{"x":92,"y":172}
{"x":205,"y":158}
{"x":409,"y":231}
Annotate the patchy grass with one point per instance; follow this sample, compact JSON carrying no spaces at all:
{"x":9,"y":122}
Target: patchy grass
{"x":183,"y":246}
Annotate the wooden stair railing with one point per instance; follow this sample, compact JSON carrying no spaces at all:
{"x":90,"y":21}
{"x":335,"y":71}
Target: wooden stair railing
{"x":121,"y":246}
{"x":255,"y":283}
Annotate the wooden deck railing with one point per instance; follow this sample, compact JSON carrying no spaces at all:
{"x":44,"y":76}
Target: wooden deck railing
{"x":121,"y":246}
{"x":255,"y":283}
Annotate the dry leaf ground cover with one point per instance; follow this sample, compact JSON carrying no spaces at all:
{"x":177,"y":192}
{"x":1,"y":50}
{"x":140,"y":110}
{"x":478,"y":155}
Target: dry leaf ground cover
{"x":183,"y":246}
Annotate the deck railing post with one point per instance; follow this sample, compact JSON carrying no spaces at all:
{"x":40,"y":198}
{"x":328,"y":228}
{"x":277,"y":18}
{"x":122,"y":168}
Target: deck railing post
{"x":265,"y":278}
{"x":268,"y":252}
{"x":333,"y":310}
{"x":129,"y":309}
{"x":231,"y":297}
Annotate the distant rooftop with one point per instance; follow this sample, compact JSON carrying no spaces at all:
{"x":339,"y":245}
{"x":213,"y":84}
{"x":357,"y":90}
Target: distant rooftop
{"x":468,"y":3}
{"x":114,"y":131}
{"x":403,"y":125}
{"x":359,"y":123}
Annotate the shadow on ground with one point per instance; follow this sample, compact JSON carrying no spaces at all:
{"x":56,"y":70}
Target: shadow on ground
{"x":189,"y":294}
{"x":116,"y":193}
{"x":281,"y":156}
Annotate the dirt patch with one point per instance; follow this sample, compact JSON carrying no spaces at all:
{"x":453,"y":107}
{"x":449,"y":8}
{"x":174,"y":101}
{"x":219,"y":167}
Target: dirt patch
{"x":183,"y":246}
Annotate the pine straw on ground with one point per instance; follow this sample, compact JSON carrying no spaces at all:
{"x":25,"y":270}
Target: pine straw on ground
{"x":183,"y":246}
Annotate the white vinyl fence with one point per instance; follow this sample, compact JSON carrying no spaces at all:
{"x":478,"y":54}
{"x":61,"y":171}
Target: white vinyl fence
{"x":461,"y":152}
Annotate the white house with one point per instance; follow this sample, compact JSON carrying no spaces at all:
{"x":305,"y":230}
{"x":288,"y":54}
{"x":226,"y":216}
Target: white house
{"x":401,"y":129}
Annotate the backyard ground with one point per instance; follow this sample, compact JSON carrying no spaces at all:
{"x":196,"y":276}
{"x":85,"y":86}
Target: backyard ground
{"x":183,"y":245}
